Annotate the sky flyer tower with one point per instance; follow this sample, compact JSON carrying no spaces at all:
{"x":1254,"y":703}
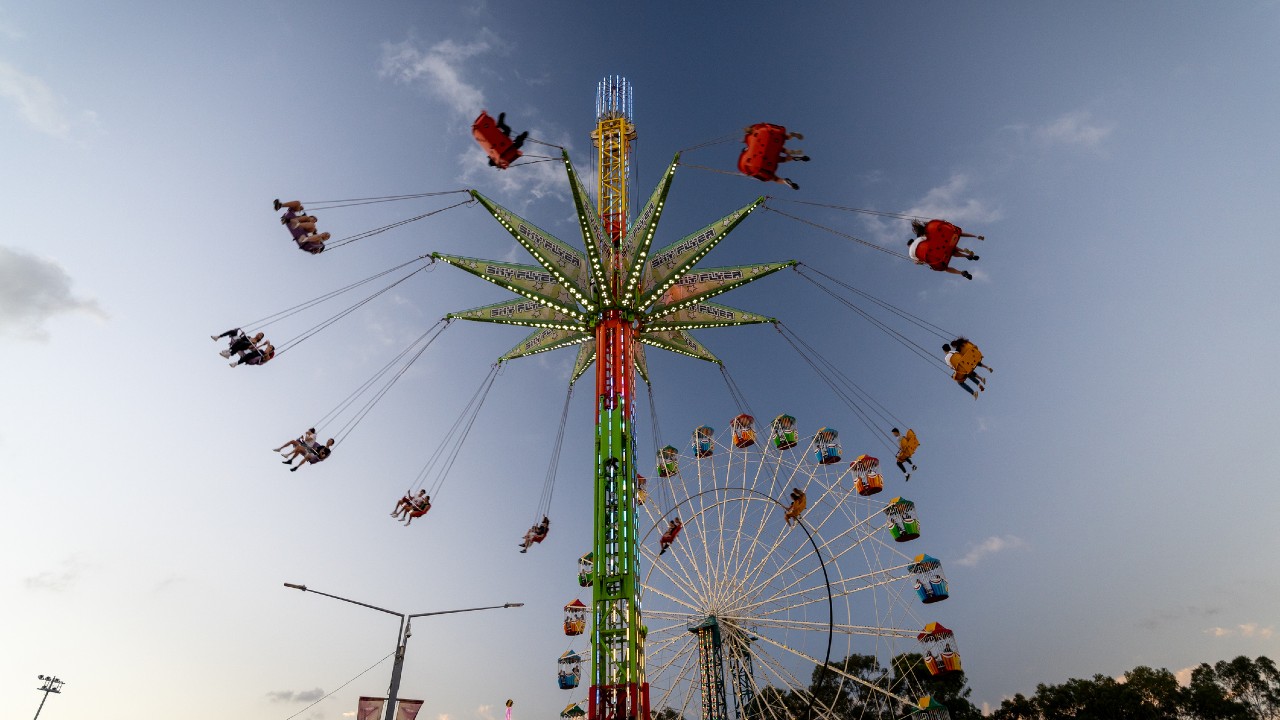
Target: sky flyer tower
{"x":611,"y":299}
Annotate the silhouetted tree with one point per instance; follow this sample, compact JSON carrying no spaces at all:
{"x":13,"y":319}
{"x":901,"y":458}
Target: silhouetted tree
{"x":1239,"y":689}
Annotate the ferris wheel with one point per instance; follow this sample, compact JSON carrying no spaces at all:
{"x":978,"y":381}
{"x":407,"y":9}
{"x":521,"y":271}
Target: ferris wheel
{"x":768,"y":607}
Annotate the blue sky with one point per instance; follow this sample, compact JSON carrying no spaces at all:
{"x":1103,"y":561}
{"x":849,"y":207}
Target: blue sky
{"x":1104,"y":505}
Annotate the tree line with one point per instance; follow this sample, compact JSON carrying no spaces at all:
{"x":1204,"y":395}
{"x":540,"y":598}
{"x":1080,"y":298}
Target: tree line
{"x":1239,"y":689}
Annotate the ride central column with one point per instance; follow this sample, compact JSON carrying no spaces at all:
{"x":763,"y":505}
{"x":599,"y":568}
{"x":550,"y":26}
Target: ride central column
{"x":618,"y":690}
{"x":618,"y":687}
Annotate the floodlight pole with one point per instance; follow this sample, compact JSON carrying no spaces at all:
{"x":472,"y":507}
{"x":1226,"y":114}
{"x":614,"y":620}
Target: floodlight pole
{"x":402,"y":636}
{"x":51,"y":685}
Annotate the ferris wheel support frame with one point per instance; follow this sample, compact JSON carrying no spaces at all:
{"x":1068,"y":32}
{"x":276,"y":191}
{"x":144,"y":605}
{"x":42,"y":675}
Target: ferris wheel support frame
{"x":711,"y":666}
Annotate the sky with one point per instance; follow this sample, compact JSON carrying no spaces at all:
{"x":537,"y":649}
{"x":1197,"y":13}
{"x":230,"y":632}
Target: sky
{"x":1103,"y":505}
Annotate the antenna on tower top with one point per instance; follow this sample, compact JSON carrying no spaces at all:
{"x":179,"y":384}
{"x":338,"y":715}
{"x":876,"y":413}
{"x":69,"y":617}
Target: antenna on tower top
{"x":613,"y":98}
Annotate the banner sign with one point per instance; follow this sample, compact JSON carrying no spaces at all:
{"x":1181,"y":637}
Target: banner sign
{"x":551,"y":252}
{"x":544,"y":340}
{"x":640,"y":237}
{"x":598,"y":243}
{"x":408,"y":709}
{"x":530,"y":281}
{"x":370,"y":708}
{"x":672,"y":261}
{"x":707,"y":283}
{"x":705,"y":314}
{"x":522,"y":311}
{"x":586,"y":356}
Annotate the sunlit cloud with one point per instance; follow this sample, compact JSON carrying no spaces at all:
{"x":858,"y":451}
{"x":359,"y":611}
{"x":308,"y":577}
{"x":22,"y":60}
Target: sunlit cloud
{"x":991,"y":546}
{"x":35,"y":102}
{"x":525,"y":181}
{"x":59,"y":580}
{"x":447,"y":70}
{"x":952,"y":201}
{"x":1183,"y":676}
{"x":10,"y":32}
{"x":32,"y":291}
{"x":1074,"y":128}
{"x":441,"y":68}
{"x":1247,"y":630}
{"x":282,"y":696}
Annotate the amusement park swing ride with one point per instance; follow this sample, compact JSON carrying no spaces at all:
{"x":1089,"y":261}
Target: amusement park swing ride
{"x":747,"y":598}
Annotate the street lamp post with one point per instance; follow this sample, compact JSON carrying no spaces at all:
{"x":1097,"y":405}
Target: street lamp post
{"x":402,"y":636}
{"x":51,"y":685}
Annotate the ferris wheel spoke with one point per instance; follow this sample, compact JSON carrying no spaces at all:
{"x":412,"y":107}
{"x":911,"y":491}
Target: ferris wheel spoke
{"x":757,"y":579}
{"x":772,"y":710}
{"x":683,"y":582}
{"x":760,"y":624}
{"x":814,"y":572}
{"x":679,"y":563}
{"x":858,"y":532}
{"x":711,"y":522}
{"x":669,"y":637}
{"x":832,"y":668}
{"x":675,"y":624}
{"x":851,"y":542}
{"x":685,"y":667}
{"x":693,"y":597}
{"x":814,"y":595}
{"x":824,"y":545}
{"x":778,"y":670}
{"x":682,"y":548}
{"x":743,"y":522}
{"x":672,"y":676}
{"x":672,"y":615}
{"x":753,"y":560}
{"x":749,"y":559}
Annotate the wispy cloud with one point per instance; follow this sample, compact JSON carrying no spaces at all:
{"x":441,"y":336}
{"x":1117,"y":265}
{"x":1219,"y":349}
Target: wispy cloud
{"x":33,"y":290}
{"x":37,"y":103}
{"x":526,"y":180}
{"x":991,"y":546}
{"x":447,"y":70}
{"x":1248,"y":630}
{"x":441,"y":68}
{"x":1074,"y":128}
{"x":59,"y":580}
{"x":953,"y":201}
{"x":169,"y":582}
{"x":9,"y":31}
{"x":1166,"y":616}
{"x":283,"y":696}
